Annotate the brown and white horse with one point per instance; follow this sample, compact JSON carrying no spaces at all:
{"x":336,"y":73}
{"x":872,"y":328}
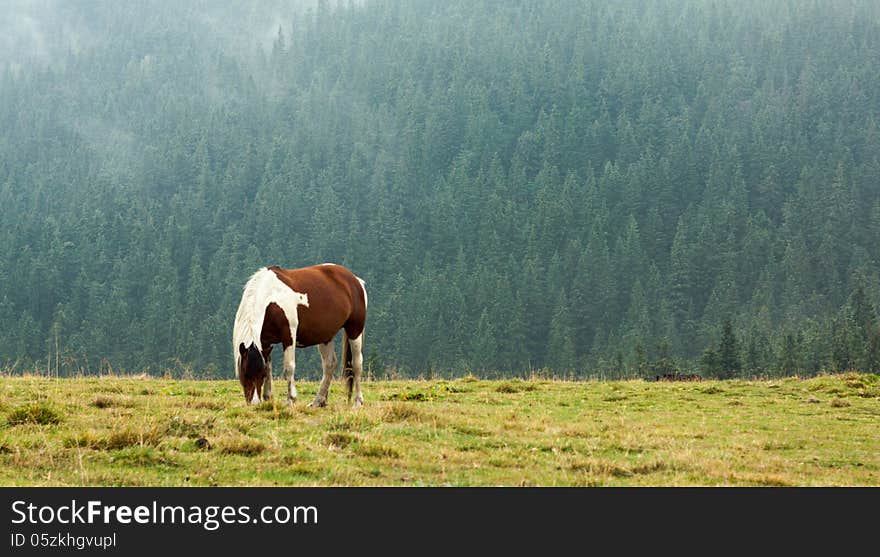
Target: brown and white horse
{"x":299,"y":308}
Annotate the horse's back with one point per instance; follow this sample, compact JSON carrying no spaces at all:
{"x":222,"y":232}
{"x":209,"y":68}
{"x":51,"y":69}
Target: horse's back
{"x":336,"y":299}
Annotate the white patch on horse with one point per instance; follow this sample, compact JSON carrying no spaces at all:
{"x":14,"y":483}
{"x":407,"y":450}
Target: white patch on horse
{"x":357,"y":365}
{"x":256,"y":398}
{"x":263,"y":288}
{"x":364,"y":288}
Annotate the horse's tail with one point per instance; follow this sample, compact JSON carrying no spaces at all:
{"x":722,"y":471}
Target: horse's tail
{"x":347,"y":368}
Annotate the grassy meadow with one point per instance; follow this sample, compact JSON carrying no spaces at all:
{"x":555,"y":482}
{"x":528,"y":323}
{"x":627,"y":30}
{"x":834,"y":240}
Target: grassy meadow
{"x":113,"y":431}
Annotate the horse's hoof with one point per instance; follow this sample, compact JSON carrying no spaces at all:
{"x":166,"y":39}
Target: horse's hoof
{"x":317,"y":403}
{"x":357,"y":404}
{"x":291,"y":401}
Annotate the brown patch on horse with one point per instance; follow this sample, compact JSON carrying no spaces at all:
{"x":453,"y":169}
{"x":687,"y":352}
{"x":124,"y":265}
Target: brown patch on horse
{"x":328,"y":311}
{"x":275,"y":328}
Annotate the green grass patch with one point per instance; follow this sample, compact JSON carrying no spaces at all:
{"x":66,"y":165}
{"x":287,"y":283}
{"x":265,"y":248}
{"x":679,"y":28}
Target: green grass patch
{"x":411,"y":396}
{"x":103,"y":401}
{"x":349,"y":422}
{"x":399,"y":412}
{"x":117,"y":439}
{"x":181,"y":427}
{"x":461,"y":432}
{"x":242,"y":446}
{"x":339,"y":439}
{"x":515,"y":386}
{"x":36,"y":413}
{"x":141,"y":456}
{"x":376,"y":451}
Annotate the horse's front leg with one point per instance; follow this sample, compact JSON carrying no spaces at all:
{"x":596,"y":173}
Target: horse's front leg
{"x":289,"y":367}
{"x":267,"y":382}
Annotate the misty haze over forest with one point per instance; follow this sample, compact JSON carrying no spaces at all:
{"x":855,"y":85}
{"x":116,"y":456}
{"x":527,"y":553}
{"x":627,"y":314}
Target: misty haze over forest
{"x":594,"y":189}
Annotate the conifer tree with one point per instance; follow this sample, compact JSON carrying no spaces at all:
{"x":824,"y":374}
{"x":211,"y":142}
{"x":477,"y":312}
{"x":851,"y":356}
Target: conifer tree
{"x":789,"y":359}
{"x":871,"y":363}
{"x":561,"y":345}
{"x":729,"y":362}
{"x":710,"y":365}
{"x":663,"y":364}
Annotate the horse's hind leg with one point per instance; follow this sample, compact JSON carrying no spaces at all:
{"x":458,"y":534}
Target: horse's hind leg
{"x":328,"y":363}
{"x":357,"y":364}
{"x":289,"y":368}
{"x":267,"y":383}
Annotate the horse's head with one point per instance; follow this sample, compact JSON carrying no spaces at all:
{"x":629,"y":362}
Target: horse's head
{"x":252,"y":373}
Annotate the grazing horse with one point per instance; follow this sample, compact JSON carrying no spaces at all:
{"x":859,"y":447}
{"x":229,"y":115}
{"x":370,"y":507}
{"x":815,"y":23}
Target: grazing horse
{"x":299,"y":308}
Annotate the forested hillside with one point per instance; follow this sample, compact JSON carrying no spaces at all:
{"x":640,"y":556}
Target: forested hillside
{"x":595,"y":188}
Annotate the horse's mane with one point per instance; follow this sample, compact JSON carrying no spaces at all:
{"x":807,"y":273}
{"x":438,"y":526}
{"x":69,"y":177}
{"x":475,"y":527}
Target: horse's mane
{"x":243,"y":329}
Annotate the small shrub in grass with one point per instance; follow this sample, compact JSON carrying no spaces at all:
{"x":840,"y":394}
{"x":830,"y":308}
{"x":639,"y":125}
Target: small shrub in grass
{"x":38,"y":413}
{"x":515,"y":386}
{"x":242,"y":446}
{"x":839,"y":403}
{"x":179,"y":427}
{"x":379,"y":451}
{"x":84,"y":439}
{"x":339,"y":439}
{"x":141,"y":456}
{"x":110,"y":402}
{"x":413,"y":396}
{"x":116,"y":440}
{"x":600,"y":468}
{"x":132,"y":437}
{"x":453,"y":388}
{"x":349,"y":422}
{"x":508,"y":387}
{"x":399,"y":412}
{"x":860,"y":380}
{"x":109,"y":389}
{"x":465,"y":429}
{"x":204,"y":405}
{"x":102,"y":402}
